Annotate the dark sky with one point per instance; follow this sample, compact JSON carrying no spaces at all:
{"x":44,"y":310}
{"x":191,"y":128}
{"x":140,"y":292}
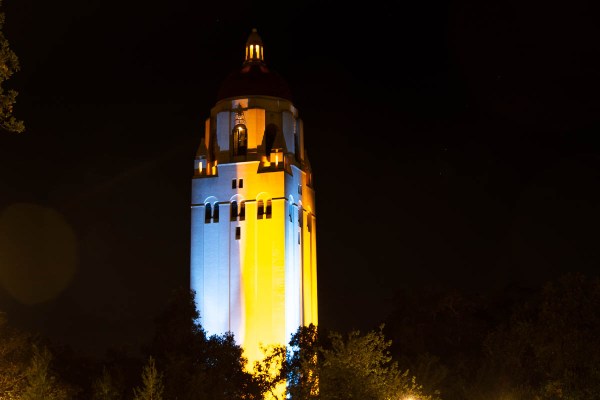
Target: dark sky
{"x":453,"y":143}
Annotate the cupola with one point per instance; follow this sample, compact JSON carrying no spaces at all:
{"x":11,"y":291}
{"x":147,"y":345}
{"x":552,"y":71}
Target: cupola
{"x":254,"y":48}
{"x":254,"y":78}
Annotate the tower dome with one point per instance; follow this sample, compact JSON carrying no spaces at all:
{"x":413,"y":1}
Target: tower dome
{"x":254,"y":78}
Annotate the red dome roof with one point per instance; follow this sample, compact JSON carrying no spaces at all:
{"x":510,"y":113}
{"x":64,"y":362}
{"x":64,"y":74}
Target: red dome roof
{"x":254,"y":79}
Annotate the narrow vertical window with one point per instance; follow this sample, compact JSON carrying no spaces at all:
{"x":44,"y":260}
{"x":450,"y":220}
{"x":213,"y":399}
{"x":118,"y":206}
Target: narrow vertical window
{"x":207,"y":213}
{"x":233,"y":214}
{"x":241,"y":184}
{"x":296,"y":147}
{"x":233,"y":183}
{"x":242,"y":211}
{"x":216,"y":213}
{"x":299,"y":189}
{"x":300,"y":217}
{"x":309,"y":223}
{"x":260,"y":210}
{"x":269,"y":208}
{"x":270,"y":136}
{"x":240,"y":140}
{"x":238,"y":233}
{"x":291,"y":212}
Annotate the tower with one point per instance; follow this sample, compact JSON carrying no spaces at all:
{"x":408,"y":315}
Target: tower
{"x":253,"y":227}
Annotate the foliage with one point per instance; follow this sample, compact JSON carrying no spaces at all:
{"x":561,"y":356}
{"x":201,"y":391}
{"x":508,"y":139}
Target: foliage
{"x":303,"y":372}
{"x":356,"y":366}
{"x":194,"y":364}
{"x":42,"y":384}
{"x":9,"y":64}
{"x":550,"y":348}
{"x":14,"y":360}
{"x":178,"y":343}
{"x":221,"y":373}
{"x":270,"y":372}
{"x":438,"y":333}
{"x":542,"y":345}
{"x":152,"y":383}
{"x":360,"y":366}
{"x":104,"y":388}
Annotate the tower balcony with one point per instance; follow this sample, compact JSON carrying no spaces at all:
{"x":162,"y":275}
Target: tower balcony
{"x":204,"y":168}
{"x":275,"y":161}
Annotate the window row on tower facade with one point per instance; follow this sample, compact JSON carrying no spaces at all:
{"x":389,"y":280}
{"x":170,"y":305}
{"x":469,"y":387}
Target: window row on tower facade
{"x":300,"y":217}
{"x":237,"y":211}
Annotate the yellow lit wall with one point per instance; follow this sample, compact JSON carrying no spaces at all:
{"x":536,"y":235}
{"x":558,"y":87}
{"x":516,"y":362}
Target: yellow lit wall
{"x":255,"y":122}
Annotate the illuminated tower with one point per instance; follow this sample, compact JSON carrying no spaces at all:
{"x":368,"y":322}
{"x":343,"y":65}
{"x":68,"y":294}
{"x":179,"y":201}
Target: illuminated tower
{"x":253,"y":250}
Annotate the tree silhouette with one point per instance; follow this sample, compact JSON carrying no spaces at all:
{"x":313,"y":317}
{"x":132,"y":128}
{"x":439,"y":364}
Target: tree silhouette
{"x":345,"y":367}
{"x":152,"y":383}
{"x":42,"y":384}
{"x":9,"y":64}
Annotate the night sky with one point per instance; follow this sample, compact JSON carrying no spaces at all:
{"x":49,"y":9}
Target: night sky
{"x":454,"y":144}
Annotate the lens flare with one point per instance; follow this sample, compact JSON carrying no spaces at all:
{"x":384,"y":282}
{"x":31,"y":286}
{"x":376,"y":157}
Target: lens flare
{"x":38,"y":252}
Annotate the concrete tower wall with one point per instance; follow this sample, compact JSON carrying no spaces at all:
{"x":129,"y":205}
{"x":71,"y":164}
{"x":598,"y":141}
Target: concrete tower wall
{"x":254,"y":273}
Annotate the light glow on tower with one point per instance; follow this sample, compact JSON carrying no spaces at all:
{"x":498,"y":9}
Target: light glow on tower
{"x":254,"y":271}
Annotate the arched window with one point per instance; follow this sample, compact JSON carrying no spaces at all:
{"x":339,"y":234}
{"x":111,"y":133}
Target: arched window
{"x":269,"y":208}
{"x":233,"y":214}
{"x":260,"y":209}
{"x":216,"y":213}
{"x":270,"y":135}
{"x":207,"y":213}
{"x":242,"y":211}
{"x":240,"y":140}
